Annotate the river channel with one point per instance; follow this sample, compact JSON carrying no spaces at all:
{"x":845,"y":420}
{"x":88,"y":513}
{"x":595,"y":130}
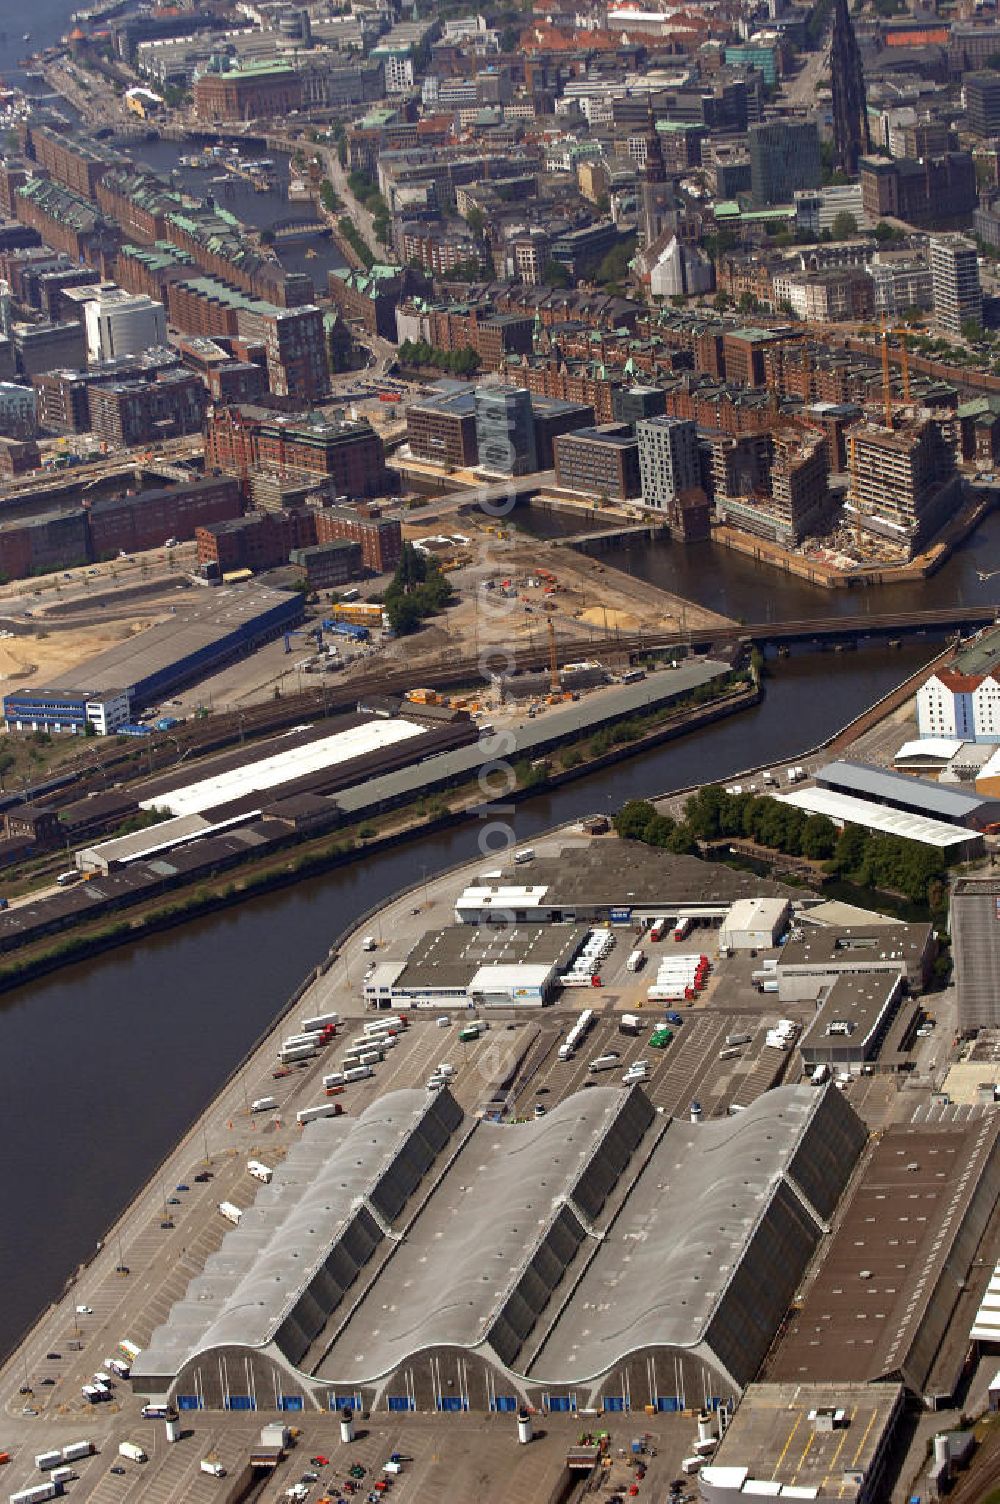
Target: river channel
{"x":104,"y":1065}
{"x":738,"y":587}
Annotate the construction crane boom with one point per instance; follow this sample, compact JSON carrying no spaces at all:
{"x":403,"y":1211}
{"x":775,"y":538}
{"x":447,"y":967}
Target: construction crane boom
{"x":554,"y":684}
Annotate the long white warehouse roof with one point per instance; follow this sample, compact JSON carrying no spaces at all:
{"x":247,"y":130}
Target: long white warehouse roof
{"x":846,"y":809}
{"x":283,"y":767}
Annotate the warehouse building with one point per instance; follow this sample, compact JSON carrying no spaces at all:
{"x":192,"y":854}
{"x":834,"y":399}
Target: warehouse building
{"x":285,"y":767}
{"x":301,"y":1307}
{"x":852,"y":1020}
{"x":974,"y":923}
{"x":481,"y":966}
{"x":624,"y":883}
{"x":814,"y":957}
{"x":917,"y":796}
{"x":902,"y":1274}
{"x":957,"y":843}
{"x":754,"y":923}
{"x":195,"y":640}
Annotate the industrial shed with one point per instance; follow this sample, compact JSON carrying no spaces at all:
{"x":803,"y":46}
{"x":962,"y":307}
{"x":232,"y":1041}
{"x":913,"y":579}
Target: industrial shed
{"x":904,"y":1272}
{"x":956,"y":841}
{"x":534,"y":1265}
{"x":754,"y":923}
{"x":625,"y":882}
{"x":214,"y":628}
{"x":918,"y":796}
{"x":488,"y":966}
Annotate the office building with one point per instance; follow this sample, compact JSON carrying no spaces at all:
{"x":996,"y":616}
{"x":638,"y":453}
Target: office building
{"x":784,"y":155}
{"x":982,"y":103}
{"x":602,"y":462}
{"x":958,"y":297}
{"x":65,"y":710}
{"x":937,"y":192}
{"x":126,"y":413}
{"x":18,"y":406}
{"x":441,"y":427}
{"x":669,"y":460}
{"x":505,"y":430}
{"x":121,"y":323}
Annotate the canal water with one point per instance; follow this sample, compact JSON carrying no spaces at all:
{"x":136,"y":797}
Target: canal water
{"x":738,"y":587}
{"x":260,"y":210}
{"x":104,"y":1065}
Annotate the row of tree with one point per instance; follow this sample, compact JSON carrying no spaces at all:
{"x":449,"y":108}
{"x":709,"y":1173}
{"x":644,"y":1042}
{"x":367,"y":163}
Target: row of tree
{"x":860,"y":856}
{"x":418,"y":589}
{"x":417,"y":352}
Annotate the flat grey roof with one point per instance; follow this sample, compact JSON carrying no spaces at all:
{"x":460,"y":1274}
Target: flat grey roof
{"x":773,"y":1439}
{"x":628,"y":874}
{"x":856,"y":944}
{"x":589,"y":712}
{"x":893,"y":1266}
{"x":851,"y":1014}
{"x":204,"y":618}
{"x":451,"y":957}
{"x":940,"y":801}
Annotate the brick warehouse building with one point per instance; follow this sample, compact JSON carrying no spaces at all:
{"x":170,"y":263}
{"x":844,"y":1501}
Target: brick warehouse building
{"x":264,"y":540}
{"x":380,"y":536}
{"x":68,"y":223}
{"x":75,"y":163}
{"x":351,"y":455}
{"x":149,"y":519}
{"x":261,"y":540}
{"x":254,"y":91}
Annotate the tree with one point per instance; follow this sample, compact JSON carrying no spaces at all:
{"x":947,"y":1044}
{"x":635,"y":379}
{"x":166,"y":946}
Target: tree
{"x":972,"y":329}
{"x":844,"y":225}
{"x":556,"y":275}
{"x":819,"y":838}
{"x":721,"y":301}
{"x":614,"y":267}
{"x":476,"y":221}
{"x":748,"y":303}
{"x":885,"y":232}
{"x":633,"y":819}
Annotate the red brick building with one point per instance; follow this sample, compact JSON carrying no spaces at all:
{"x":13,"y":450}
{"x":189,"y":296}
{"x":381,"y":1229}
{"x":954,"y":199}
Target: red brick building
{"x":351,"y":455}
{"x":257,"y":91}
{"x":260,"y":540}
{"x":77,"y":164}
{"x":149,"y":519}
{"x":380,"y":537}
